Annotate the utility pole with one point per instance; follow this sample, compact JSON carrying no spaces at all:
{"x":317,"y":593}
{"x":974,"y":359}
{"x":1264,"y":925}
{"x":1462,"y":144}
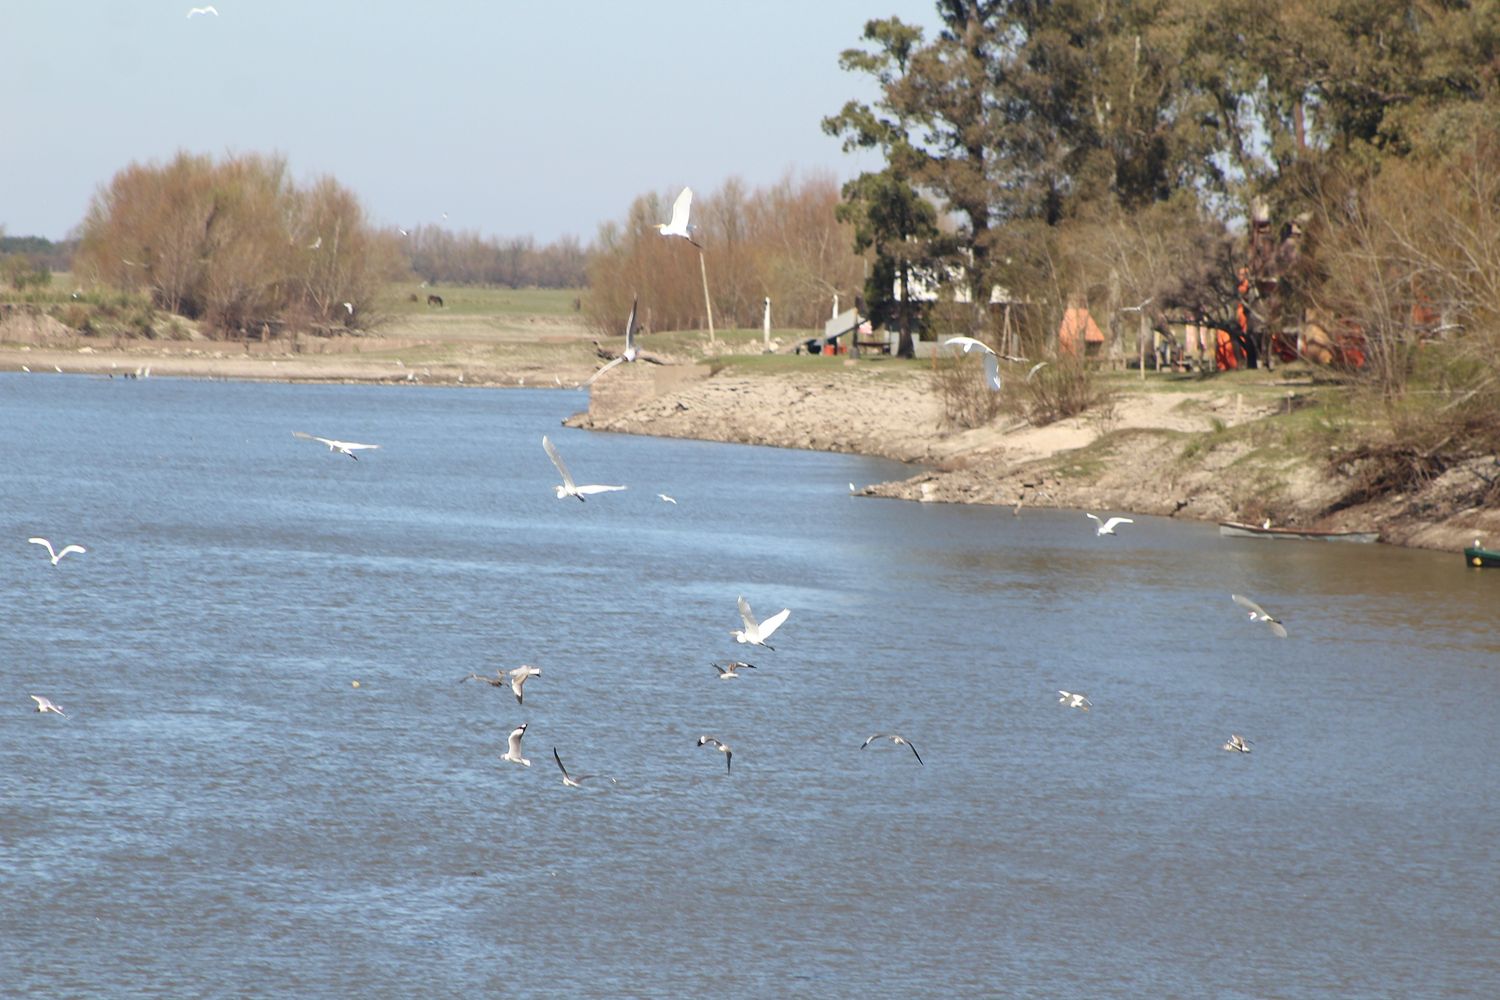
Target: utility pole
{"x":707,"y":303}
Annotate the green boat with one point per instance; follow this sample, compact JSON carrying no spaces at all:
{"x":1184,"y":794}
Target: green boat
{"x":1474,"y":555}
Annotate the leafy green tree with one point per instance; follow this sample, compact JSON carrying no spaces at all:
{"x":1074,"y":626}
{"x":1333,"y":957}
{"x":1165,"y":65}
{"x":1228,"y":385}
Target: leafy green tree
{"x":890,"y":216}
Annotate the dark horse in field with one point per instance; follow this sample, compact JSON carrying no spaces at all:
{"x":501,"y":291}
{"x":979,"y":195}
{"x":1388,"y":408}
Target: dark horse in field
{"x":435,"y":300}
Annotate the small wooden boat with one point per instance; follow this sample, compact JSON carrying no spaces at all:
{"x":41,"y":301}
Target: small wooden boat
{"x":1476,"y":556}
{"x":1237,"y":529}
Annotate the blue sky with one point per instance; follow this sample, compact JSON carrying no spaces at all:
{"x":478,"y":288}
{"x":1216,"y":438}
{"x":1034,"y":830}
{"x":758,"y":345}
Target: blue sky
{"x":514,"y":118}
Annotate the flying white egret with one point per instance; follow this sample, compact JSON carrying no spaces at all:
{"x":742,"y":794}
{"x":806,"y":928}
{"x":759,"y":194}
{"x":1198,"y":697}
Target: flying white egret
{"x":56,"y":556}
{"x":630,"y":353}
{"x":47,"y":705}
{"x":991,"y":360}
{"x":678,"y":226}
{"x":1108,"y":527}
{"x":202,"y":10}
{"x":731,"y":668}
{"x":1258,"y":614}
{"x":723,"y":748}
{"x":568,"y":487}
{"x":518,"y":679}
{"x":342,"y":447}
{"x":349,"y":306}
{"x":1074,"y":700}
{"x":900,"y":741}
{"x":666,"y":499}
{"x":756,"y":633}
{"x":1237,"y":743}
{"x":513,"y":750}
{"x":571,"y":780}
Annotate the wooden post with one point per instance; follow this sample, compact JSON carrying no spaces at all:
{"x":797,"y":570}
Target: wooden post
{"x":707,"y":304}
{"x":1142,"y":337}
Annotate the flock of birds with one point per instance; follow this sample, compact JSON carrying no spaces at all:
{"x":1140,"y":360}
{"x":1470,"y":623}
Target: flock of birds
{"x":754,"y":632}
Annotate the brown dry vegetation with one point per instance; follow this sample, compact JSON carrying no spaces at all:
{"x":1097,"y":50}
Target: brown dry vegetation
{"x":237,"y":245}
{"x":781,"y":242}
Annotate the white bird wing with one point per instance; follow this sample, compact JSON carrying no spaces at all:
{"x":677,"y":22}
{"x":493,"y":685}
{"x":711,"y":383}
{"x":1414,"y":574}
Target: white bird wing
{"x":773,"y":623}
{"x":680,"y":209}
{"x":1277,"y":628}
{"x":665,"y":498}
{"x":967,"y":344}
{"x":557,"y":461}
{"x":1245,"y":602}
{"x":630,"y":326}
{"x":515,"y":740}
{"x":992,"y":371}
{"x":313,"y":437}
{"x":71,"y":548}
{"x":1092,"y":516}
{"x":353,"y":445}
{"x":560,"y":767}
{"x":591,"y":489}
{"x":746,"y":616}
{"x":1108,"y":525}
{"x":43,"y":541}
{"x":601,"y":371}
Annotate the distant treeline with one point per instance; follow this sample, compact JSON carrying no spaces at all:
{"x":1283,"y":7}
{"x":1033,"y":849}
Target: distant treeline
{"x":438,"y":255}
{"x":39,"y":251}
{"x":782,"y":242}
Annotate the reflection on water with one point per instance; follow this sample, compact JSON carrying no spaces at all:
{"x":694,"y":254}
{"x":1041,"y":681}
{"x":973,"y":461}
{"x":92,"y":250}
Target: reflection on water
{"x":224,"y":812}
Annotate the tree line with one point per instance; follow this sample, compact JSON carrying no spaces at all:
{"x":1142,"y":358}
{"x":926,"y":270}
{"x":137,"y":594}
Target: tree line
{"x":782,"y":241}
{"x":1225,"y":160}
{"x":240,"y":246}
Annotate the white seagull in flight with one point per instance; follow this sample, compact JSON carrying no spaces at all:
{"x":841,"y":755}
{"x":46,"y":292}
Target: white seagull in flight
{"x":665,"y":499}
{"x":900,"y":741}
{"x":723,"y":748}
{"x":1074,"y":700}
{"x":731,"y":668}
{"x":1237,"y":743}
{"x":513,"y":751}
{"x":342,"y":447}
{"x":56,"y":556}
{"x":631,"y":351}
{"x":756,"y":633}
{"x":1108,"y":527}
{"x":678,"y":226}
{"x":47,"y":705}
{"x":202,"y":10}
{"x":571,"y":780}
{"x":518,"y":679}
{"x":568,"y":487}
{"x":1258,"y":614}
{"x":991,"y":361}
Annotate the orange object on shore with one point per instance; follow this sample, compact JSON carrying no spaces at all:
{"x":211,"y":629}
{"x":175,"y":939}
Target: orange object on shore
{"x":1224,"y":356}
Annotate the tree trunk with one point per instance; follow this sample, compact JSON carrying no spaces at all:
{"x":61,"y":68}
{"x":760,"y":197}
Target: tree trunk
{"x":906,"y":349}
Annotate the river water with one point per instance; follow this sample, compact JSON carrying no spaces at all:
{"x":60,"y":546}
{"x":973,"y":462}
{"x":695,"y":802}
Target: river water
{"x":223,"y":812}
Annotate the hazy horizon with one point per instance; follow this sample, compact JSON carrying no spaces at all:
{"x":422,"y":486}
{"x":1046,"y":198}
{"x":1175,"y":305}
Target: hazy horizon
{"x":497,"y":116}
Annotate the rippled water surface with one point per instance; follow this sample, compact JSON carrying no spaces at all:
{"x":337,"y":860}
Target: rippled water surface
{"x":224,"y":812}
